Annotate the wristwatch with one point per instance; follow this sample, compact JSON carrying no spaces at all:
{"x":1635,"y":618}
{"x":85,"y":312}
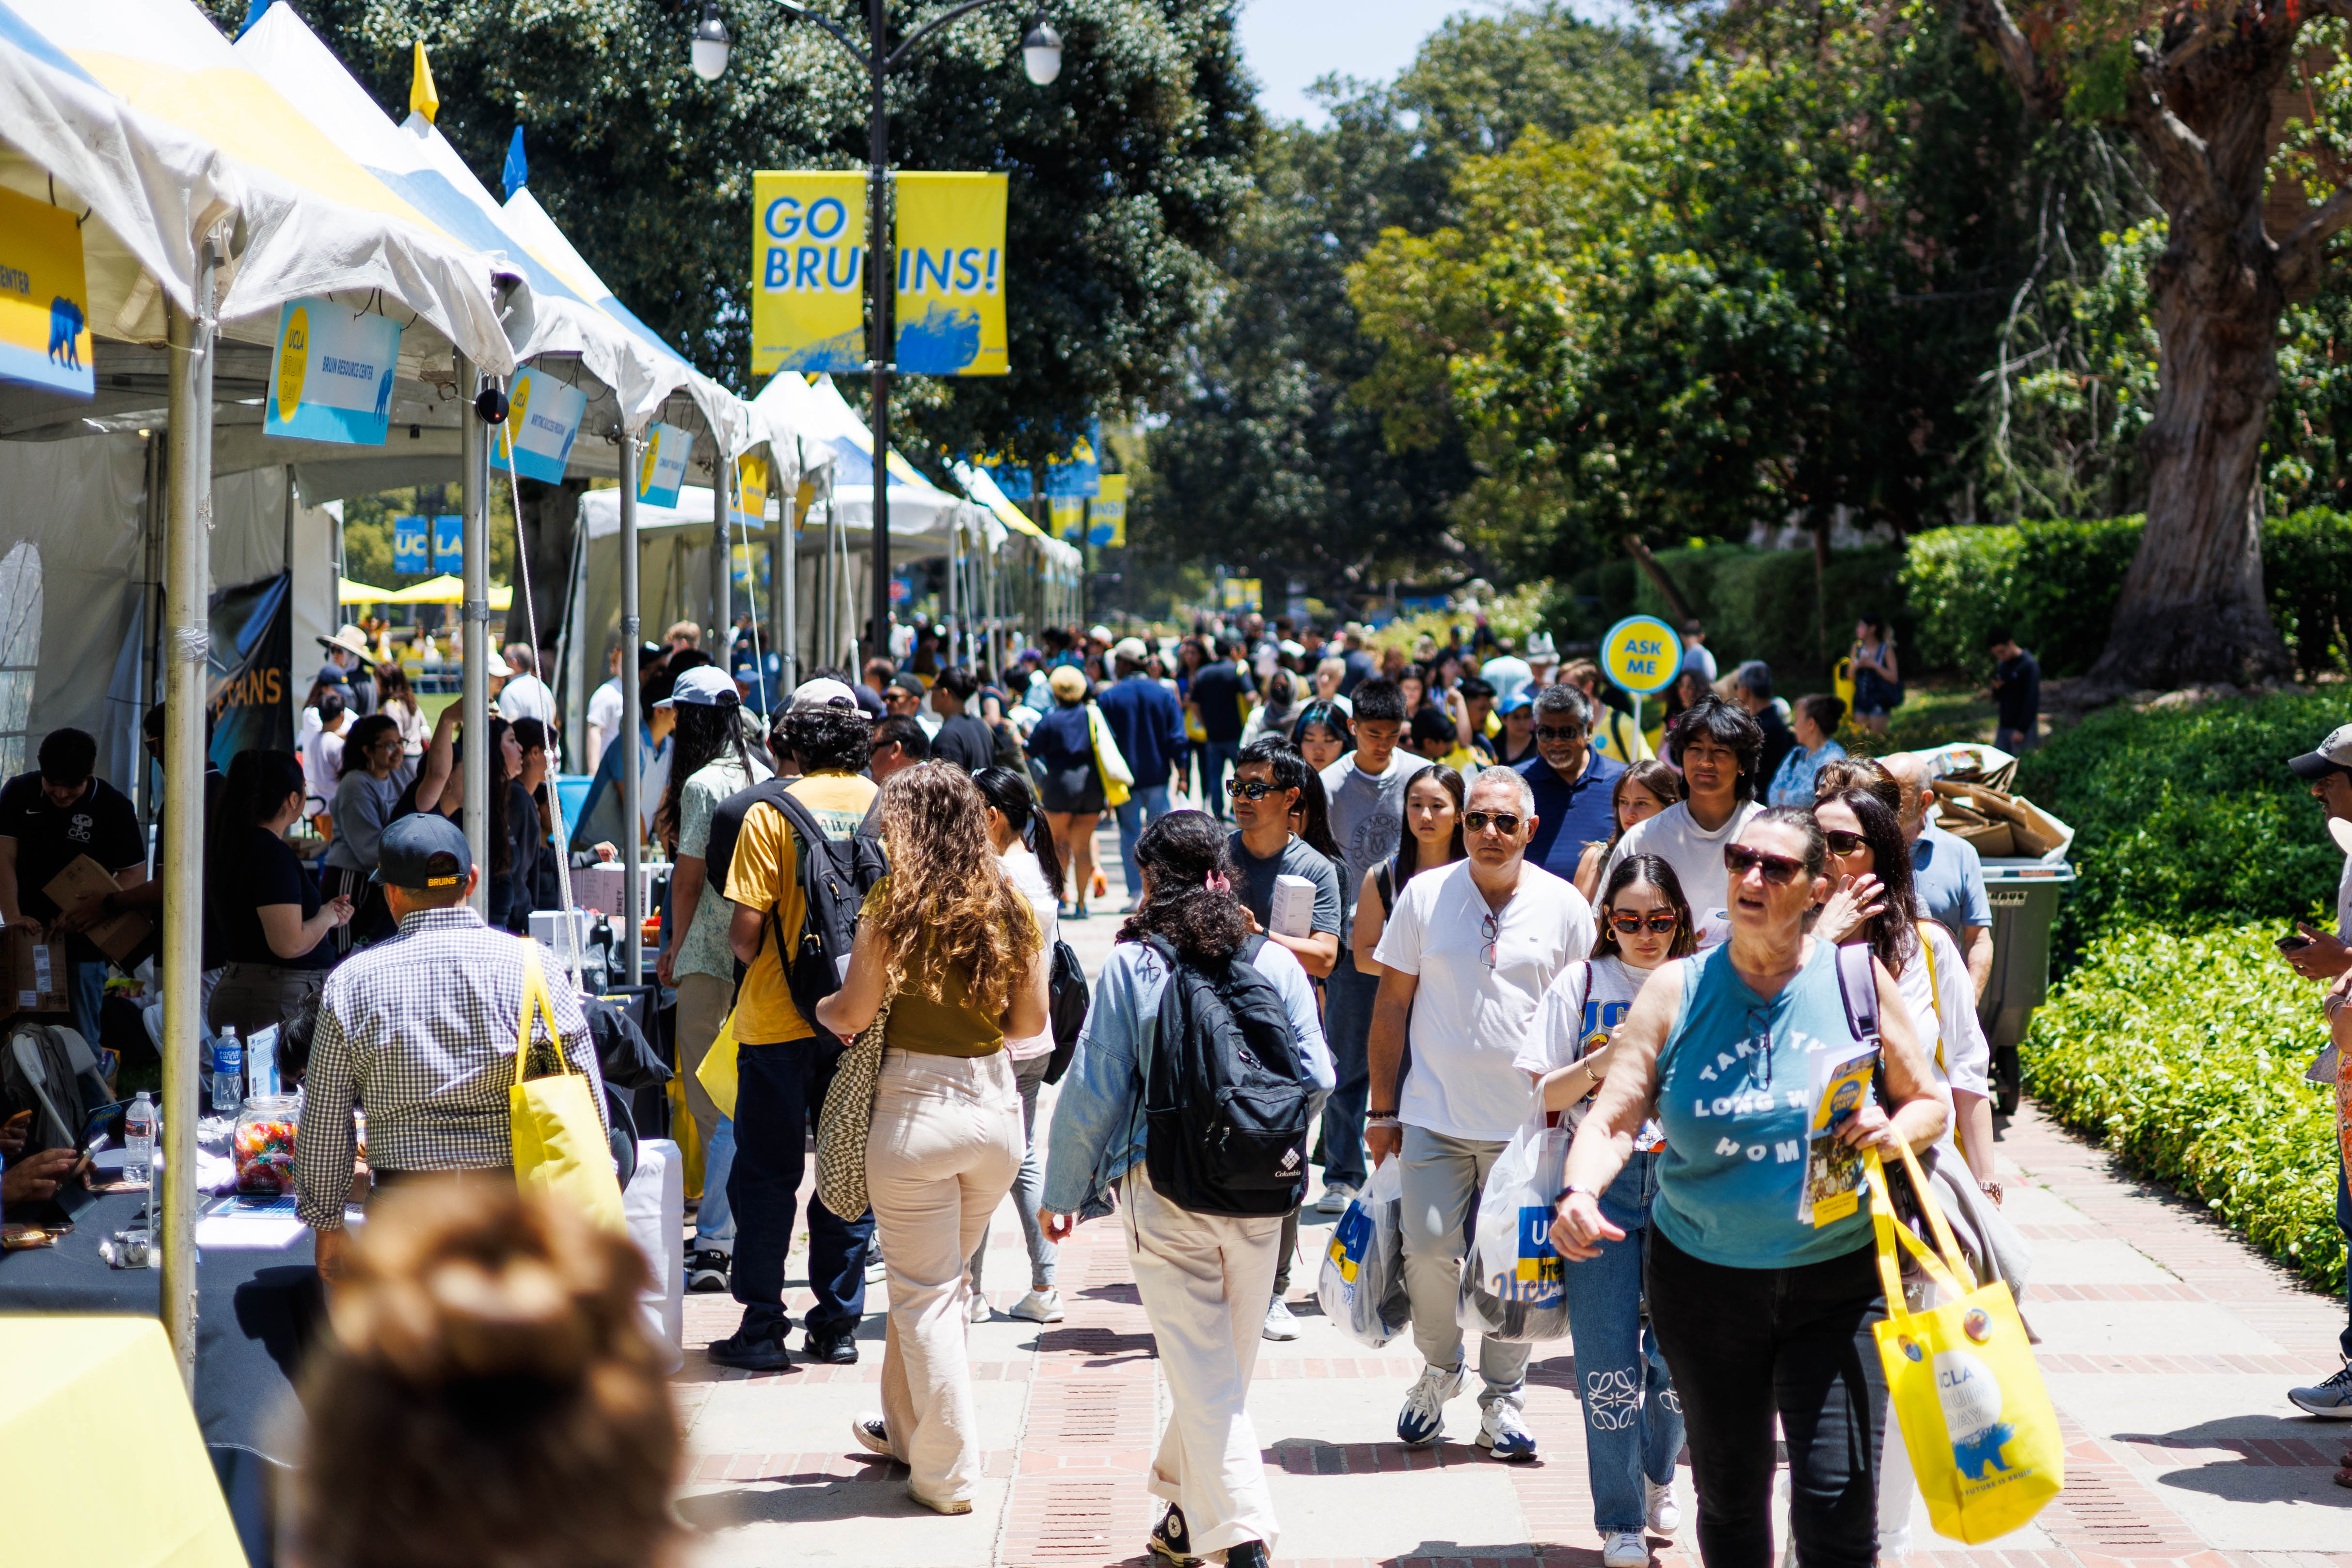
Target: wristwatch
{"x":1570,"y":1191}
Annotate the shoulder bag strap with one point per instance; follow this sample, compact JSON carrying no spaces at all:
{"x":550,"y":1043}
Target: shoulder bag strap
{"x":1858,"y":989}
{"x":536,"y":1003}
{"x":1934,"y":991}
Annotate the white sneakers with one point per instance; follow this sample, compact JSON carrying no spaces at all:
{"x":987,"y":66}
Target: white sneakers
{"x":1039,"y":1307}
{"x":1279,"y":1324}
{"x":1423,"y":1420}
{"x":1665,"y":1515}
{"x":980,"y":1310}
{"x":1503,"y":1435}
{"x":1626,"y":1549}
{"x":1335,"y":1198}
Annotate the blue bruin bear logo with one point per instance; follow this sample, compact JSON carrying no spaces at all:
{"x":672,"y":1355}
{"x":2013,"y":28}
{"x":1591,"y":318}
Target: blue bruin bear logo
{"x":1982,"y":1452}
{"x":65,"y":333}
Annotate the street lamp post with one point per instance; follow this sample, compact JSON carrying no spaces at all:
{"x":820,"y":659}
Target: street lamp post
{"x":1040,"y":60}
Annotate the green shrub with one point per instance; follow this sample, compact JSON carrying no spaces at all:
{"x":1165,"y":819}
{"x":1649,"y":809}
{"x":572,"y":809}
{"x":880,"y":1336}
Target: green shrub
{"x":1759,"y":603}
{"x":2052,"y":584}
{"x":2187,"y":817}
{"x":2307,"y":576}
{"x":2185,"y":1054}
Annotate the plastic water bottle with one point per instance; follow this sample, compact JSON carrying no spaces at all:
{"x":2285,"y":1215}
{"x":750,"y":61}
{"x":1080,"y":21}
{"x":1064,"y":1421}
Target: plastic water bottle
{"x":228,"y":1072}
{"x":139,"y":1140}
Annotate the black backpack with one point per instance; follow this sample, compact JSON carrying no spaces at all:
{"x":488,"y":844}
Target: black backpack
{"x":1068,"y":1000}
{"x":836,"y":876}
{"x":1226,"y":1093}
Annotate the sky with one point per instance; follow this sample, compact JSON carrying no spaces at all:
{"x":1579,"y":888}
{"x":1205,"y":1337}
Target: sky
{"x":1289,"y":43}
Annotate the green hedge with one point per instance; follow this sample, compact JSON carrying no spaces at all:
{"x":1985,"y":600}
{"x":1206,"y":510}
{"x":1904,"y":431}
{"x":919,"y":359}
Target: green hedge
{"x":2187,"y":817}
{"x":1756,"y":603}
{"x":2185,"y":1055}
{"x":2055,"y":584}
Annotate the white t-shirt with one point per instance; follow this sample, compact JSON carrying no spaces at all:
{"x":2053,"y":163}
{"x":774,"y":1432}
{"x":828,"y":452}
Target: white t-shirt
{"x":604,"y":719}
{"x":1507,"y":672}
{"x":1696,"y":856}
{"x":1944,"y":1013}
{"x":1029,"y":879}
{"x":2344,"y":902}
{"x":1582,"y":1010}
{"x":1470,"y":1020}
{"x":527,"y":697}
{"x":323,"y":766}
{"x":1701,"y":658}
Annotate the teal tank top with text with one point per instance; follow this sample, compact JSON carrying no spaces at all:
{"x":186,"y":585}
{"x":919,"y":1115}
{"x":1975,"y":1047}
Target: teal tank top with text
{"x":1733,"y":1080}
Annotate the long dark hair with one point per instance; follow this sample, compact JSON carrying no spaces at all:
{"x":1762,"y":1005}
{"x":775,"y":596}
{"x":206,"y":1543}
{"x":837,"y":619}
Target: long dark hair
{"x":391,"y":685}
{"x":1181,"y":855}
{"x":1658,"y":874}
{"x":258,"y":781}
{"x":1331,"y":717}
{"x":502,"y":788}
{"x":704,"y":733}
{"x":1010,"y":793}
{"x":359,"y":737}
{"x":1649,"y":774}
{"x":531,"y":736}
{"x":1314,"y":810}
{"x":1408,"y":856}
{"x":1891,"y":936}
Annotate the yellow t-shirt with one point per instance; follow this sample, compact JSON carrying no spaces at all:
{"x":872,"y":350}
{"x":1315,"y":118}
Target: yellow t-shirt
{"x":766,"y":874}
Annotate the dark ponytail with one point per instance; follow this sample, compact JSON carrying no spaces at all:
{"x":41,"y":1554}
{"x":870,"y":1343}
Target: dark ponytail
{"x":1009,"y":792}
{"x":1181,"y":855}
{"x":258,"y":782}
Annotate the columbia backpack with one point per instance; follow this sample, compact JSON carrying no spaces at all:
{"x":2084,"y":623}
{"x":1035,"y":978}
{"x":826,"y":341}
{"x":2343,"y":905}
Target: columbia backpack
{"x":1226,"y":1093}
{"x":836,"y":876}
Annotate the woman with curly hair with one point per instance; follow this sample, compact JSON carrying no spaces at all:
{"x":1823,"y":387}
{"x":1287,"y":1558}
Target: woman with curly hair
{"x":1205,"y":1278}
{"x":947,"y":949}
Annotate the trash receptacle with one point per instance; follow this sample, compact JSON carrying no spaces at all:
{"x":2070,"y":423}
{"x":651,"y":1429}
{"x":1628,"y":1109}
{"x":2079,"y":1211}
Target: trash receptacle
{"x":2024,"y":896}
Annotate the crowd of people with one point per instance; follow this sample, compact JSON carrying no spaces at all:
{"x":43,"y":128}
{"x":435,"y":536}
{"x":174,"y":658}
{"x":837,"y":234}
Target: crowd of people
{"x":1440,"y":898}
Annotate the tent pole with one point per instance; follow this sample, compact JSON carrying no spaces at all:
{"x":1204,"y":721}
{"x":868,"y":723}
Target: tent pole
{"x":187,"y":564}
{"x":474,"y":698}
{"x":630,"y":738}
{"x":722,"y":582}
{"x":954,"y":528}
{"x":784,"y":590}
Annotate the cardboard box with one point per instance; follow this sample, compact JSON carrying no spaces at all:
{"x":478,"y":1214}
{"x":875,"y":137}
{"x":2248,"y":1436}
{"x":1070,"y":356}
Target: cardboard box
{"x":598,"y":887}
{"x":36,"y":971}
{"x":118,"y":935}
{"x":1293,"y":907}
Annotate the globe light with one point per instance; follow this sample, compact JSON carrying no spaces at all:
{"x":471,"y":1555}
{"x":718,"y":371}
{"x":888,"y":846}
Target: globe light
{"x":710,"y":49}
{"x":1041,"y":53}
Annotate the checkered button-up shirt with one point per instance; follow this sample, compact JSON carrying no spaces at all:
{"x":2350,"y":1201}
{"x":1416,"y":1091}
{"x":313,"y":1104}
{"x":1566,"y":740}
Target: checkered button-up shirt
{"x":419,"y":1032}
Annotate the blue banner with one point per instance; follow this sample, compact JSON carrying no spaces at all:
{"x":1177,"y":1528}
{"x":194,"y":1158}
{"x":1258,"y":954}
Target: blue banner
{"x":449,"y":543}
{"x":1077,"y":473}
{"x":543,"y":421}
{"x":251,"y":693}
{"x":410,"y":555}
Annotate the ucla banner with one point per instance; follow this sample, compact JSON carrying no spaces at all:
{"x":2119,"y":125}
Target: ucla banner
{"x":662,"y":468}
{"x":408,"y":538}
{"x":43,"y":299}
{"x":543,"y":421}
{"x":808,"y":264}
{"x":950,"y":243}
{"x":449,"y":542}
{"x":331,"y":374}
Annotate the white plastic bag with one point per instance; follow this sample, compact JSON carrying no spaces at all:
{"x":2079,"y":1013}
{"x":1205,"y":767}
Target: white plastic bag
{"x":1362,"y":1284}
{"x":1513,"y":1287}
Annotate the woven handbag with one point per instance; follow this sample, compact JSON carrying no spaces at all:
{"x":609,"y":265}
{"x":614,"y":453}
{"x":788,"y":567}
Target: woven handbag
{"x":847,"y":1118}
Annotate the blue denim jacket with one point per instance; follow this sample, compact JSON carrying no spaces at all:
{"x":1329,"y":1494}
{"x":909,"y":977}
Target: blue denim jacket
{"x":1099,"y":1131}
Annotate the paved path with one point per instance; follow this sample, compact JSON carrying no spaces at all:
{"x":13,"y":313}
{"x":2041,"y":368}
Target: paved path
{"x":2167,"y":1346}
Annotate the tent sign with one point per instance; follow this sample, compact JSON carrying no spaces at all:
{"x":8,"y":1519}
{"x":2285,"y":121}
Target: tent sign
{"x":750,"y":509}
{"x":408,"y":557}
{"x":43,"y":299}
{"x":449,"y":542}
{"x":808,"y":270}
{"x":331,"y":373}
{"x":662,"y":468}
{"x":950,"y":294}
{"x":543,"y":421}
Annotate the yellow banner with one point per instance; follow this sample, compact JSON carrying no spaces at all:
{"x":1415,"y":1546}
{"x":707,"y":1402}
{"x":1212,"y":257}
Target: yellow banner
{"x":751,"y":492}
{"x":1070,"y":518}
{"x":808,"y":271}
{"x":950,"y":298}
{"x":1106,"y":514}
{"x":43,"y":299}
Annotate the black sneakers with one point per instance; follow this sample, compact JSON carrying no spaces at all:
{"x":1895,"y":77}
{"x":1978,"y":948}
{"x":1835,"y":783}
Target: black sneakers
{"x":705,"y":1270}
{"x":831,"y":1350}
{"x":764,"y":1353}
{"x":1170,"y":1541}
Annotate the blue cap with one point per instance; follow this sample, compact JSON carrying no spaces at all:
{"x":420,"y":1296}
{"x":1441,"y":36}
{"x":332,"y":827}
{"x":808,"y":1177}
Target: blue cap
{"x":1514,"y":703}
{"x":334,"y":675}
{"x":423,"y":853}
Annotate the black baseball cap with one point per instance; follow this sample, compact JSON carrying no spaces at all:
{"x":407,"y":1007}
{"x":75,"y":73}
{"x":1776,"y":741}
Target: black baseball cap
{"x":422,"y":853}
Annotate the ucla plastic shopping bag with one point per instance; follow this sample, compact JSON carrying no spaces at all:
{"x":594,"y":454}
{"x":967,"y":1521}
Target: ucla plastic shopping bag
{"x":1513,"y":1286}
{"x":1361,"y":1288}
{"x":1962,"y":1381}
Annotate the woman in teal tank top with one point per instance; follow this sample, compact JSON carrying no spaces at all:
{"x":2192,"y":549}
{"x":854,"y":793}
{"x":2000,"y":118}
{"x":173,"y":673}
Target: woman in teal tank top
{"x":1760,"y":1313}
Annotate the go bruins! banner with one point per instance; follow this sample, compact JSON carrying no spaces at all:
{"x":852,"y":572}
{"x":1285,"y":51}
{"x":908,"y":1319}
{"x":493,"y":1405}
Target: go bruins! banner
{"x":331,"y":373}
{"x":808,"y":271}
{"x":43,"y":299}
{"x":951,"y":282}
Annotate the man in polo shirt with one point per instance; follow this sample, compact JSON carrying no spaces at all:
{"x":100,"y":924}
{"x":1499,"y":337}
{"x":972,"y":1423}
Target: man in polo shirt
{"x":1946,"y":874}
{"x":1571,"y":780}
{"x":783,"y":1064}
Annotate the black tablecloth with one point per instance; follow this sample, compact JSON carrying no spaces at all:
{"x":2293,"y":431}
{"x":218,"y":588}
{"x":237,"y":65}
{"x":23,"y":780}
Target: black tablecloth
{"x":257,"y":1314}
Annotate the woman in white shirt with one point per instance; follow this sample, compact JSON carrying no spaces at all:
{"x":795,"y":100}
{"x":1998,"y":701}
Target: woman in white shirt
{"x":1632,"y":1422}
{"x":1018,"y":834}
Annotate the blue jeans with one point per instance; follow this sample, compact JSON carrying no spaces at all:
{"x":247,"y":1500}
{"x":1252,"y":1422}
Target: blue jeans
{"x":779,"y":1088}
{"x":1633,"y":1421}
{"x":714,"y":1221}
{"x":86,"y":993}
{"x":1348,"y":1030}
{"x":1217,"y":759}
{"x":1145,"y":805}
{"x":1028,"y":1185}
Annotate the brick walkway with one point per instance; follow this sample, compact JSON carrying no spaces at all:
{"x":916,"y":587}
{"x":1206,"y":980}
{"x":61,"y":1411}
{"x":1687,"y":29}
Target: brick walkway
{"x":2167,"y":1346}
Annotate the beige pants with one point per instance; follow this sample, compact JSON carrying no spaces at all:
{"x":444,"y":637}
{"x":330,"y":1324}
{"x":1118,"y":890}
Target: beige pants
{"x":1205,"y":1279}
{"x":944,"y":1147}
{"x":702,"y":1004}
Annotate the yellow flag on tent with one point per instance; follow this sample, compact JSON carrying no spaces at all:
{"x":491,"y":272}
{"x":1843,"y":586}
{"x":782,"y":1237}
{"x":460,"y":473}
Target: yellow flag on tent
{"x":421,"y":98}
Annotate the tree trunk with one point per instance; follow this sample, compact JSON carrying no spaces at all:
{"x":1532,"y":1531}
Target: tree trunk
{"x":2192,"y":607}
{"x":1661,"y":580}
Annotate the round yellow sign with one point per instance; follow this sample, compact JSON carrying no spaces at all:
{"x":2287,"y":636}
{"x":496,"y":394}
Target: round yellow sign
{"x":1641,"y":655}
{"x":293,"y":362}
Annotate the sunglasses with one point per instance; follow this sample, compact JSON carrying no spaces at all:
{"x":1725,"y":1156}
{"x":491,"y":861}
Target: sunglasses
{"x":1844,"y":843}
{"x":1779,"y":871}
{"x":1251,"y":790}
{"x":1504,"y":823}
{"x":1660,"y":924}
{"x":1561,"y":732}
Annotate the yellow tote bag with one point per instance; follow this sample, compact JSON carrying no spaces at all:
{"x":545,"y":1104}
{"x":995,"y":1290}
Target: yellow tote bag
{"x":1118,"y":780}
{"x":716,"y":1073}
{"x":1962,"y":1379}
{"x":560,"y":1147}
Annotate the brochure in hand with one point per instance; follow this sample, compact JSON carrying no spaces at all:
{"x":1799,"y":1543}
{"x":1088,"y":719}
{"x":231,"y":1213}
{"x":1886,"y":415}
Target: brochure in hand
{"x":1833,"y":1173}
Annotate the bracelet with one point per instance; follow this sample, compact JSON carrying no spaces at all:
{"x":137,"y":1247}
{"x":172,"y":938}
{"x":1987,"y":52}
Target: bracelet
{"x":1383,"y":1121}
{"x":1571,"y":1190}
{"x":1388,"y":1115}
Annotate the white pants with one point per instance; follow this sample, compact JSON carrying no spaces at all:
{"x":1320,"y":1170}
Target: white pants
{"x":1205,"y":1279}
{"x":945,"y":1144}
{"x":1898,"y":1485}
{"x":1443,"y":1179}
